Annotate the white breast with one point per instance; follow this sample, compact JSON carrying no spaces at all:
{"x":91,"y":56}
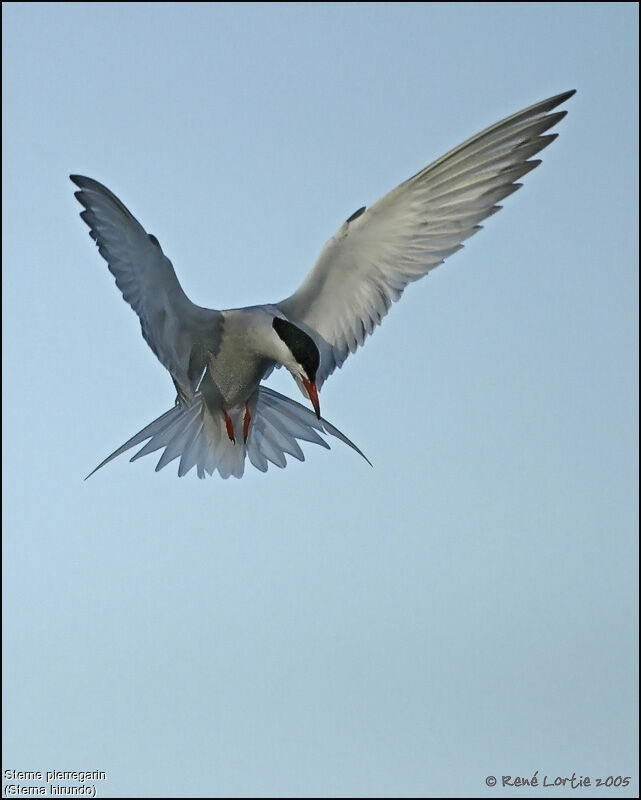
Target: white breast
{"x":242,"y":359}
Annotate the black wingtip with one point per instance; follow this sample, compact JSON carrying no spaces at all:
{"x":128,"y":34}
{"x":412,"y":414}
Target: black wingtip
{"x":561,"y":98}
{"x":83,"y":182}
{"x":356,"y":214}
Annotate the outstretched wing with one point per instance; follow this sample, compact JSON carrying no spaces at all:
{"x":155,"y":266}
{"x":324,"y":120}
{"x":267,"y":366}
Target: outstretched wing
{"x":171,"y":324}
{"x":412,"y":229}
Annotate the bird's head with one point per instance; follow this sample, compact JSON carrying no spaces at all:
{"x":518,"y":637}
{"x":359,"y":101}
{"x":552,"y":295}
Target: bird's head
{"x":300,"y":356}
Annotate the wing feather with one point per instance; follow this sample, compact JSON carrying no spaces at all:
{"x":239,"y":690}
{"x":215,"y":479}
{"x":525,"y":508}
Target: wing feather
{"x":171,"y":324}
{"x":366,"y":266}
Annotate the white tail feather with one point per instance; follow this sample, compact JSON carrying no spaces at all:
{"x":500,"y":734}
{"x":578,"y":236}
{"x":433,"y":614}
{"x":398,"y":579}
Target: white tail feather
{"x":200,"y":438}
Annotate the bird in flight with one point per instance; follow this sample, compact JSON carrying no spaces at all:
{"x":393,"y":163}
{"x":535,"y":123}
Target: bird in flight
{"x":219,"y":359}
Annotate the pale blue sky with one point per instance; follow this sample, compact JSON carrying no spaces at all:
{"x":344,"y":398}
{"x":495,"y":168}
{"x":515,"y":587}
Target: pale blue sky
{"x":466,"y":608}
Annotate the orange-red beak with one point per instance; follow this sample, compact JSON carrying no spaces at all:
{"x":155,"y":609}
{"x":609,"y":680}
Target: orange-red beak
{"x":312,"y":391}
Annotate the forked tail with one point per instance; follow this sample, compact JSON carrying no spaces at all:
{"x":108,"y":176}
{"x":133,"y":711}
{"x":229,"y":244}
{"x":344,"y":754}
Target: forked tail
{"x":200,"y":438}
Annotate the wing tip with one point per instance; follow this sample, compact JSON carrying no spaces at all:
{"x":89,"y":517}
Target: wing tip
{"x":81,"y":181}
{"x":533,"y":163}
{"x":565,"y":95}
{"x":558,"y":99}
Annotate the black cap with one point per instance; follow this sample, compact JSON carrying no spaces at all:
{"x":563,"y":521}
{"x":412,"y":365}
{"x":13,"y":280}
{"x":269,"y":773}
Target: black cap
{"x":301,"y":345}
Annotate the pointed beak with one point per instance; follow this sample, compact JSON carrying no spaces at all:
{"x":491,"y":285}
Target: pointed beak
{"x":312,"y":391}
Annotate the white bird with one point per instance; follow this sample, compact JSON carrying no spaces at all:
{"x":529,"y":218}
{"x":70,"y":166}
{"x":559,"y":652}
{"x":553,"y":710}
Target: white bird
{"x":218,"y":359}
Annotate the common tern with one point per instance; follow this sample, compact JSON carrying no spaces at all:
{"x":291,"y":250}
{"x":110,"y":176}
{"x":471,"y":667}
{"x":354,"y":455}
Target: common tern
{"x":218,"y":359}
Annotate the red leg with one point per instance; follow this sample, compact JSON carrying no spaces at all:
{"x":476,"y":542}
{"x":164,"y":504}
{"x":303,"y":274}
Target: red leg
{"x":230,"y":426}
{"x":246,"y":422}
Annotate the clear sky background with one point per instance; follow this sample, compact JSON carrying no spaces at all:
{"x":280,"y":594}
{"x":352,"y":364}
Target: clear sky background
{"x":466,"y":608}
